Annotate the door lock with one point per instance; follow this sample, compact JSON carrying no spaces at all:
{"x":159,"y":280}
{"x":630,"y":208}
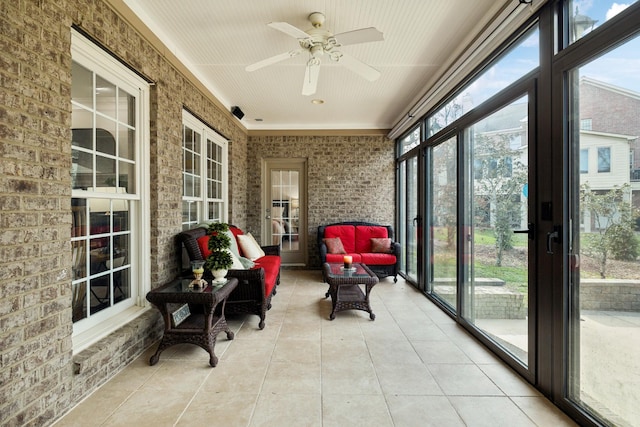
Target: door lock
{"x":553,"y":236}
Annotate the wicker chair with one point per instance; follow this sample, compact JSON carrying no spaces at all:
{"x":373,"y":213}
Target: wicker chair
{"x":252,"y":295}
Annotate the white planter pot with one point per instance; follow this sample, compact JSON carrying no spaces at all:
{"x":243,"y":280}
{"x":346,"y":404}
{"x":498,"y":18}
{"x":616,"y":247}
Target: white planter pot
{"x":218,"y":275}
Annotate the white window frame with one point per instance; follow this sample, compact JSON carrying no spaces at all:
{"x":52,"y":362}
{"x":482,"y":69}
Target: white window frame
{"x":88,"y":331}
{"x":202,"y":199}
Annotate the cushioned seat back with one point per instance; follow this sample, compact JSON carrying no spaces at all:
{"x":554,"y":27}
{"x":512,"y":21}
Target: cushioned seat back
{"x":346,"y":233}
{"x":364,"y":234}
{"x":189,"y":239}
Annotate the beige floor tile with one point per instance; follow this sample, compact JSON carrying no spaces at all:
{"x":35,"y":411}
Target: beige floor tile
{"x":179,"y":375}
{"x":219,"y":410}
{"x":432,"y":352}
{"x":463,"y":380}
{"x":339,"y":350}
{"x":405,"y":379}
{"x":148,"y":405}
{"x":288,"y":378}
{"x":253,"y":350}
{"x":238,"y":376}
{"x":350,"y":376}
{"x":482,"y":411}
{"x":355,"y":410}
{"x":280,"y":410}
{"x":423,"y":411}
{"x":412,"y":366}
{"x":94,"y":410}
{"x":297,"y":351}
{"x":392,"y":351}
{"x":543,"y":412}
{"x":509,"y":382}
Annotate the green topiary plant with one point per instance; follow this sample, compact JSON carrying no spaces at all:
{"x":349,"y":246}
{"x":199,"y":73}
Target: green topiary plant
{"x":219,"y":243}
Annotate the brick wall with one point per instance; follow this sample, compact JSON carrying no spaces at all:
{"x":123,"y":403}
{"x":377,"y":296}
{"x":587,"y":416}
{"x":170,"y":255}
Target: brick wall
{"x":350,"y":178}
{"x":40,"y":378}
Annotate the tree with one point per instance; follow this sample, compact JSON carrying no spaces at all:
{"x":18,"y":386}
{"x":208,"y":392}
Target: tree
{"x":499,"y":179}
{"x":613,"y":223}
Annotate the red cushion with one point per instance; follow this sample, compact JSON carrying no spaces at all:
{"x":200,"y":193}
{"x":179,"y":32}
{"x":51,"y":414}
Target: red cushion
{"x":378,"y":259}
{"x":271,"y":265}
{"x":346,"y":233}
{"x":203,"y":244}
{"x":340,"y":257}
{"x":363,"y":235}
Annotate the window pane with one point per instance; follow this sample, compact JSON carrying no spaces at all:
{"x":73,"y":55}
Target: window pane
{"x":105,"y":97}
{"x":604,"y":299}
{"x":496,"y":290}
{"x":105,"y":135}
{"x":81,"y":85}
{"x":126,"y":108}
{"x":604,"y":159}
{"x":410,"y":141}
{"x":587,"y":16}
{"x":517,"y":61}
{"x":126,"y":141}
{"x":444,"y":221}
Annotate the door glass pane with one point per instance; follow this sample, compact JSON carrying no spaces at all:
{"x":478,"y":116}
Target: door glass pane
{"x":496,"y":259}
{"x":443,"y":221}
{"x":604,"y":321}
{"x":412,"y":221}
{"x":285,"y":197}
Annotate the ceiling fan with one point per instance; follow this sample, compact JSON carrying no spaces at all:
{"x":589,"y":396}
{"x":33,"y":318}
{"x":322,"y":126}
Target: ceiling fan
{"x":317,"y":41}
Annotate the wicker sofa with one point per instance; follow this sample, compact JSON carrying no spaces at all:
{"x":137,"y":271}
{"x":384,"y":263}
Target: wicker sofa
{"x":361,"y":240}
{"x":256,"y":285}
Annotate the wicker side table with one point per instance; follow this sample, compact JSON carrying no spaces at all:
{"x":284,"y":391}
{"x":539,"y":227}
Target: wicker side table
{"x":203,"y":320}
{"x":345,"y":287}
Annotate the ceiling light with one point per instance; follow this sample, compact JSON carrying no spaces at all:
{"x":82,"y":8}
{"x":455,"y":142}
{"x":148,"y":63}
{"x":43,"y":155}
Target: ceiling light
{"x":317,"y":101}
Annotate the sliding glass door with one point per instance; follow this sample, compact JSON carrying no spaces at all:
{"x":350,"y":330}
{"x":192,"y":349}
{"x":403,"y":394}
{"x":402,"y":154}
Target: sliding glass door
{"x":410,"y":221}
{"x":442,"y":217}
{"x":603,"y":374}
{"x":496,"y":214}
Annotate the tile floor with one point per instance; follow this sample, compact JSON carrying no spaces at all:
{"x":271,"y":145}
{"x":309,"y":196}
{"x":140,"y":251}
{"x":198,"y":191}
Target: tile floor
{"x":412,"y":366}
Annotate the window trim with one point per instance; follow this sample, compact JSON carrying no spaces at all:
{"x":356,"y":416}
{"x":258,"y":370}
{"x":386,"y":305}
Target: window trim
{"x":96,"y":59}
{"x":207,"y":134}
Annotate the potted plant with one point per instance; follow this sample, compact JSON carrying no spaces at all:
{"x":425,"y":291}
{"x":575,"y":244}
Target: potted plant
{"x":219,"y":261}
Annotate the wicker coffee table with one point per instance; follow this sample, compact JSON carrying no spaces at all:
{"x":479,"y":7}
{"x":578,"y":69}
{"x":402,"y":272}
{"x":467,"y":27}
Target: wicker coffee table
{"x":192,"y":315}
{"x":350,"y":289}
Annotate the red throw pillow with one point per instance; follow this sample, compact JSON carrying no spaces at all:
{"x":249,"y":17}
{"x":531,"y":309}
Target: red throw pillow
{"x":380,"y":245}
{"x":334,"y":245}
{"x":203,"y":244}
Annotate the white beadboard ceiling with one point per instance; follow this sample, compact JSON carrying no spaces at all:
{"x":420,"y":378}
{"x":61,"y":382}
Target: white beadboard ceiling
{"x":217,"y":39}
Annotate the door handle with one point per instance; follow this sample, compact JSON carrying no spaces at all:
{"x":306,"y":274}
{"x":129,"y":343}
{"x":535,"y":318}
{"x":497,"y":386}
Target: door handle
{"x":530,"y":231}
{"x":551,"y":236}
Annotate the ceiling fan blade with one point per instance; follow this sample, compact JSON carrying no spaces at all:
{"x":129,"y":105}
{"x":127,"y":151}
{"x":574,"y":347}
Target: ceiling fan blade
{"x":363,"y":35}
{"x":359,"y":67}
{"x":273,"y":60}
{"x":311,"y":77}
{"x":289,"y":29}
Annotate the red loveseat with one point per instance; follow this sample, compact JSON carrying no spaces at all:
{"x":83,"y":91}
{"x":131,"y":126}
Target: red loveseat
{"x":256,"y":285}
{"x":368,"y":243}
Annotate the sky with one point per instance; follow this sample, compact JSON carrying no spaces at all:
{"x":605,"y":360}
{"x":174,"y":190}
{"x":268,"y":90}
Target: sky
{"x":621,"y":66}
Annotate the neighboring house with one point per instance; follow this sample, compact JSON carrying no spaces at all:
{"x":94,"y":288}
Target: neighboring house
{"x":604,"y":164}
{"x":611,"y":110}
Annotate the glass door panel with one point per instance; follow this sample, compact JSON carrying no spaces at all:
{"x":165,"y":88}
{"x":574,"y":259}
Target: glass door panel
{"x":443,"y":221}
{"x":604,"y":279}
{"x":412,"y":220}
{"x":496,"y":286}
{"x":285,"y":219}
